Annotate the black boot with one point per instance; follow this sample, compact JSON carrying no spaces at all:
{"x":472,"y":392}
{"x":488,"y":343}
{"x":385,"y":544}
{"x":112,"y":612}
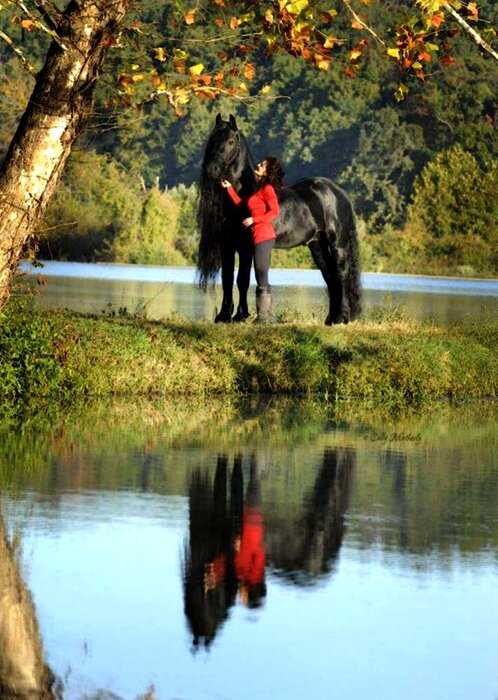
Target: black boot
{"x":263,"y":304}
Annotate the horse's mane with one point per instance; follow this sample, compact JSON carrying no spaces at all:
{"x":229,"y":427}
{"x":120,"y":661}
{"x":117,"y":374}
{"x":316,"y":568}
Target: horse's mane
{"x":212,"y":218}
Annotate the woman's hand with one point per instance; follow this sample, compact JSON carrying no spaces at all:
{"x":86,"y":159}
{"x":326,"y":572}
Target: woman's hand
{"x":249,"y":221}
{"x":226,"y":184}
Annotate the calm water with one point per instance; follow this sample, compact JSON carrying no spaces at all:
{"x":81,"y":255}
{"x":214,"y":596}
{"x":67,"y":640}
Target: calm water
{"x":162,"y":291}
{"x":272,"y":550}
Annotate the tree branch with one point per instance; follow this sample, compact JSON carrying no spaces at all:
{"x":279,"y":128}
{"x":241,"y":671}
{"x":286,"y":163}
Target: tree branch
{"x":29,"y":67}
{"x":358,"y":19}
{"x":470,"y":30}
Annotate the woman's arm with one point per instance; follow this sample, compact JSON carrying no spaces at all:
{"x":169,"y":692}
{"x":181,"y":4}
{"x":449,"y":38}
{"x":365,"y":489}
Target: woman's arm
{"x":234,"y":196}
{"x":271,"y":201}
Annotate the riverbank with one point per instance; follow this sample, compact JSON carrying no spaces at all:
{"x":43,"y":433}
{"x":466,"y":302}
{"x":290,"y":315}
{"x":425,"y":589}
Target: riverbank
{"x":54,"y":356}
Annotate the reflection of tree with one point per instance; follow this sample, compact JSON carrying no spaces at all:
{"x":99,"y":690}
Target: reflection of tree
{"x":225,"y":553}
{"x":305,"y":548}
{"x":23,"y":673}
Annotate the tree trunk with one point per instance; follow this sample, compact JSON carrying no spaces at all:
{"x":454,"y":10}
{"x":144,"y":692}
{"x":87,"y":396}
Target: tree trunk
{"x":61,"y":100}
{"x":23,"y":673}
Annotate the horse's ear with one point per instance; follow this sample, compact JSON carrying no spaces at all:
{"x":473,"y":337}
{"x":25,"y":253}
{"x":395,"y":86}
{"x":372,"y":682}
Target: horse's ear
{"x":233,"y":123}
{"x":218,"y":119}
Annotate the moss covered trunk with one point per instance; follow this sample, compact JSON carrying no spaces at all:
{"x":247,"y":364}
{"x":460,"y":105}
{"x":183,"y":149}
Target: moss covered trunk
{"x":53,"y":119}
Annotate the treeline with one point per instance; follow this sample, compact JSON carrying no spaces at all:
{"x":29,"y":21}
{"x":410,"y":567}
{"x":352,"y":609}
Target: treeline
{"x":422,"y":173}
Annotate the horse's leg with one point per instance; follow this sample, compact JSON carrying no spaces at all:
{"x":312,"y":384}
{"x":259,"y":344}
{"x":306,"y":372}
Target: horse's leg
{"x":331,"y":265}
{"x":243,"y":278}
{"x":227,"y":273}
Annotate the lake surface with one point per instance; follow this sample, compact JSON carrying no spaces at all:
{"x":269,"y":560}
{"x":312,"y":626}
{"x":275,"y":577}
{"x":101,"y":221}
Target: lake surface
{"x":159,"y":292}
{"x":262,"y":550}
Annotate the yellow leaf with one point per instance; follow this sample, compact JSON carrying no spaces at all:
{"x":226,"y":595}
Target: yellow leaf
{"x":159,"y":53}
{"x":294,"y":8}
{"x":329,"y":42}
{"x":265,"y":89}
{"x":354,"y":54}
{"x":393,"y":52}
{"x":269,"y":17}
{"x":135,"y":66}
{"x":401,"y":92}
{"x":243,"y":87}
{"x":322,"y":63}
{"x":189,"y":16}
{"x":417,"y":65}
{"x":197,"y":69}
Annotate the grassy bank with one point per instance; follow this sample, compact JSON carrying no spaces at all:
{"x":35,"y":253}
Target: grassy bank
{"x":48,"y":357}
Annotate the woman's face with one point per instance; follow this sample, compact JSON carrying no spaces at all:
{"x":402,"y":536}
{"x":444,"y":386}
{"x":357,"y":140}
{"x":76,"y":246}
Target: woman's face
{"x":260,"y":169}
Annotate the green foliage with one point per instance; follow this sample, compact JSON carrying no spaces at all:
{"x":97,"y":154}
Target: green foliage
{"x":95,"y":203}
{"x":152,"y":241}
{"x":455,"y":208}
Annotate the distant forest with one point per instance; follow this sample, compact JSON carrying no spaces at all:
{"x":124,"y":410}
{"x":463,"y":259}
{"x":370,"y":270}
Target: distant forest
{"x":422,"y":172}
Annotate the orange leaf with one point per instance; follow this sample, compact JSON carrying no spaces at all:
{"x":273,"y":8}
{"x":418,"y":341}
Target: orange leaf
{"x":424,"y":56}
{"x":249,"y":71}
{"x":27,"y":24}
{"x":357,"y":25}
{"x":354,"y":54}
{"x":234,"y":22}
{"x":219,"y":22}
{"x":189,"y":16}
{"x":437,"y":20}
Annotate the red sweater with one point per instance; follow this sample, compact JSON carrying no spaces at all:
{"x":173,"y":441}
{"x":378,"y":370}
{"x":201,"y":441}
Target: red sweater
{"x":263,"y":208}
{"x":250,"y":559}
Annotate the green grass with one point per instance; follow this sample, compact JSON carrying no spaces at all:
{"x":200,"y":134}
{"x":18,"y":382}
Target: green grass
{"x":54,"y":356}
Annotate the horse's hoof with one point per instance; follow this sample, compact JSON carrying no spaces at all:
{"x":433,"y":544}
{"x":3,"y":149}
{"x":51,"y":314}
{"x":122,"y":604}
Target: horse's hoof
{"x":223,"y":318}
{"x":240,"y":317}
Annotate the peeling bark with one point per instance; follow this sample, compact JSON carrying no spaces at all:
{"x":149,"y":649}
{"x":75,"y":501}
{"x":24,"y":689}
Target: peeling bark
{"x":23,"y":673}
{"x":60,"y":102}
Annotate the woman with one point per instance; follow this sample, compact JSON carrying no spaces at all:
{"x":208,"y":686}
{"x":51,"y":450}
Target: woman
{"x":263,"y":208}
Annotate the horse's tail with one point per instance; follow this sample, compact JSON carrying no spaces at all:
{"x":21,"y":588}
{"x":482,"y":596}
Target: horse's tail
{"x":352,"y":282}
{"x":210,"y":217}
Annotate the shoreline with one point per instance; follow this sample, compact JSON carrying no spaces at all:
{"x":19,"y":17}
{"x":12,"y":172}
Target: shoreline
{"x":60,"y":356}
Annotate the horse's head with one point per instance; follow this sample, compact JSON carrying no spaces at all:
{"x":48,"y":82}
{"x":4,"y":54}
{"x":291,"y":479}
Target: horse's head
{"x":222,"y":149}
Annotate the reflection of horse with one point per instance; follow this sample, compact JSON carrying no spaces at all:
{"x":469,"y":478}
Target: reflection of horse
{"x":305,"y":549}
{"x":313,"y":212}
{"x":225,"y":554}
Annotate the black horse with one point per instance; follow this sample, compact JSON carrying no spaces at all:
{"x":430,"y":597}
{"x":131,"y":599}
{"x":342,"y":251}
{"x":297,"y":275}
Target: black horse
{"x":313,"y":212}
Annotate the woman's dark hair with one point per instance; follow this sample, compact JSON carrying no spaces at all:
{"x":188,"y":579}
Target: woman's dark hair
{"x":274,"y":173}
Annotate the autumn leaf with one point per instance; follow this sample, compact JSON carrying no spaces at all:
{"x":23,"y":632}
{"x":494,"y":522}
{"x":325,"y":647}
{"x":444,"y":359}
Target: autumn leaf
{"x":265,"y":89}
{"x":160,"y":54}
{"x":269,"y":17}
{"x":219,"y":22}
{"x":401,"y":92}
{"x":197,"y":69}
{"x":472,"y":12}
{"x":249,"y":71}
{"x":393,"y":52}
{"x":189,"y":16}
{"x":321,"y":62}
{"x":424,"y":56}
{"x":437,"y":20}
{"x":27,"y":24}
{"x":234,"y":22}
{"x":357,"y":25}
{"x":329,"y":42}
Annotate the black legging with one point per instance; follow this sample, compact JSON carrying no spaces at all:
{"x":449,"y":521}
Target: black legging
{"x":262,"y":259}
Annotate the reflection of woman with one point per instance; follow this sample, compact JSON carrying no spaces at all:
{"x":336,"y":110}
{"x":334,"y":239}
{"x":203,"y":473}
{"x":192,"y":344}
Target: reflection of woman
{"x":263,"y":208}
{"x":249,"y":559}
{"x":226,"y":552}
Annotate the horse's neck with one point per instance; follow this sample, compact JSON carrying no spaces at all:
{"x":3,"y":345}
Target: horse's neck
{"x":242,"y":173}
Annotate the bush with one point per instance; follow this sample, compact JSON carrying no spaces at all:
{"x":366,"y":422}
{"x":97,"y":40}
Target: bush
{"x":152,"y":241}
{"x":454,"y":213}
{"x":94,"y":203}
